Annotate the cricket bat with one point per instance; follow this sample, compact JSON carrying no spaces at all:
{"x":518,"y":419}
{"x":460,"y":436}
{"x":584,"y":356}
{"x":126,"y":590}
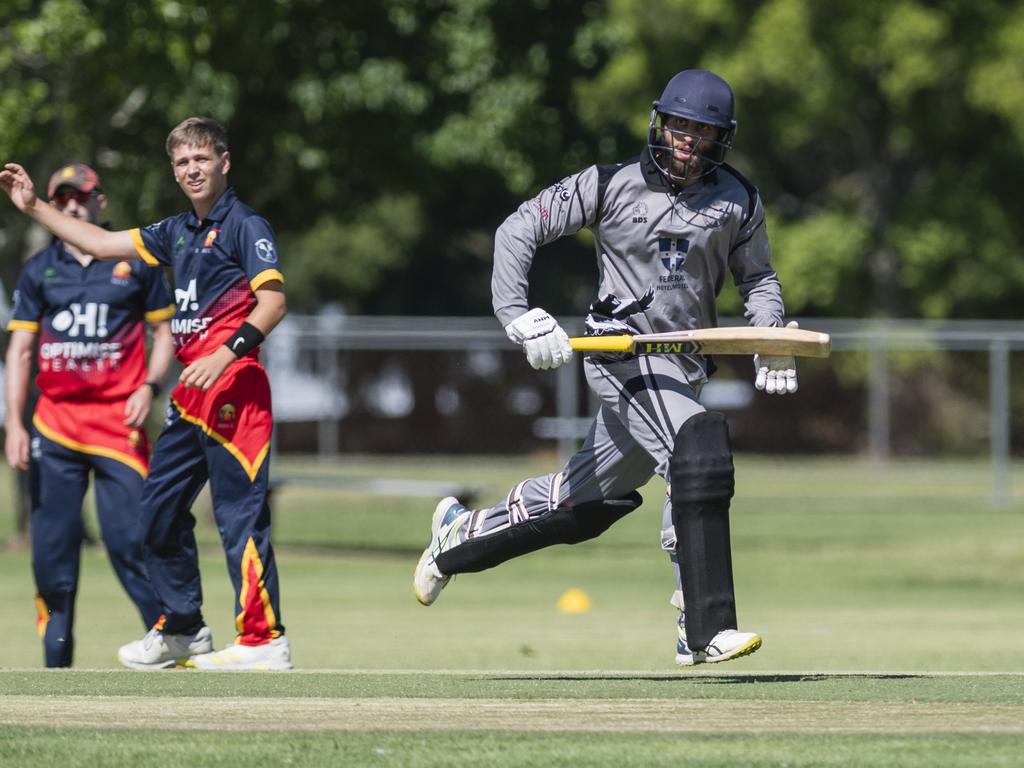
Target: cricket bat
{"x":713,"y":341}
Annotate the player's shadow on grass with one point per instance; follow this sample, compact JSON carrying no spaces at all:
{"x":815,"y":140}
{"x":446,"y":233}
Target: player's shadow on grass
{"x":716,"y":679}
{"x":803,"y":678}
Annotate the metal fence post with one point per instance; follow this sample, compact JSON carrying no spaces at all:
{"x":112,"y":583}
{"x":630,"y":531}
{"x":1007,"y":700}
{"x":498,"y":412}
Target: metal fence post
{"x":878,"y":399}
{"x":327,"y":430}
{"x":999,"y":419}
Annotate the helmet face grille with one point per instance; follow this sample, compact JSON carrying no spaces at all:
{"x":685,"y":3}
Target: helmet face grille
{"x":699,"y":96}
{"x":708,"y":152}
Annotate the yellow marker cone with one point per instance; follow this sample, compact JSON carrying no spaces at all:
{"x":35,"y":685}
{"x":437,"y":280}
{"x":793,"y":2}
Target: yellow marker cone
{"x":574,"y":601}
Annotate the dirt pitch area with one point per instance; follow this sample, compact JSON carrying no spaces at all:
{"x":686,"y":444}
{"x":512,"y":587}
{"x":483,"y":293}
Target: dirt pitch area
{"x":439,"y":714}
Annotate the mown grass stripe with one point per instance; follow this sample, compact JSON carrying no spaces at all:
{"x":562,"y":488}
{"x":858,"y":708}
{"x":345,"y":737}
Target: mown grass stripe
{"x":588,"y":715}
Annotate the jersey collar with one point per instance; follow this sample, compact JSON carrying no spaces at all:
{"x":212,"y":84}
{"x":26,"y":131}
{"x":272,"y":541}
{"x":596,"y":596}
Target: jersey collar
{"x":218,"y":213}
{"x":61,"y":252}
{"x":652,"y":175}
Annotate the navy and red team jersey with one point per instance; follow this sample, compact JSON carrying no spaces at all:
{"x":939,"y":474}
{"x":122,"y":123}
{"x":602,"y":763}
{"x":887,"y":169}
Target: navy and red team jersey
{"x":92,"y":340}
{"x":218,"y":263}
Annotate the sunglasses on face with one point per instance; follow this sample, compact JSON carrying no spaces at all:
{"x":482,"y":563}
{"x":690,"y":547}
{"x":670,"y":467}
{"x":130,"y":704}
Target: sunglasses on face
{"x":63,"y":196}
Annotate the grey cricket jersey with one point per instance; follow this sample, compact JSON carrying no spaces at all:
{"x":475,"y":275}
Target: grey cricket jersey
{"x":663,"y":254}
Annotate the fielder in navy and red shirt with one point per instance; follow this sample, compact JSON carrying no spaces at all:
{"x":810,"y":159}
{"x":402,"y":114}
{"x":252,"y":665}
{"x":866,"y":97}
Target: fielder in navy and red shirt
{"x":95,"y":392}
{"x":229,"y":295}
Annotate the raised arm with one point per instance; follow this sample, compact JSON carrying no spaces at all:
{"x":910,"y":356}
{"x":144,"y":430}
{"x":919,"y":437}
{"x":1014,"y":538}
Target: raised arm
{"x":97,"y":242}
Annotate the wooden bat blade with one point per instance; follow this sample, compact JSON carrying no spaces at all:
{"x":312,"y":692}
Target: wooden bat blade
{"x":714,"y":341}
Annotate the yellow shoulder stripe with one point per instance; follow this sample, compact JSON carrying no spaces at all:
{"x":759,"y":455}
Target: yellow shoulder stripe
{"x":159,"y":315}
{"x":266,"y":276}
{"x":141,"y":248}
{"x":23,"y":325}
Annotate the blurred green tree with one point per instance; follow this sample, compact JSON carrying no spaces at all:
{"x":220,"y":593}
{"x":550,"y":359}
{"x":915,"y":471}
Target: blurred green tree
{"x":386,"y":141}
{"x":887,"y":139}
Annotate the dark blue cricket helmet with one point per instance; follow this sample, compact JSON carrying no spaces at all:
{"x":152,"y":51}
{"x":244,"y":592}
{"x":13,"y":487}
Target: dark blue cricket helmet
{"x":701,"y":96}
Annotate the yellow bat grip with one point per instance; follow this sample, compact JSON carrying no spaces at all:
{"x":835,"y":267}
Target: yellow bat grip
{"x":602,"y":343}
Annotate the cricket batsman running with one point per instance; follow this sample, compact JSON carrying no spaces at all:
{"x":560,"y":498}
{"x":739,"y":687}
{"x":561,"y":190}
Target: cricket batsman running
{"x":668,"y":227}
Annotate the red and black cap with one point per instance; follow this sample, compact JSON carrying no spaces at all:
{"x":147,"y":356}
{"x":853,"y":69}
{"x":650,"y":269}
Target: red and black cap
{"x":77,"y":176}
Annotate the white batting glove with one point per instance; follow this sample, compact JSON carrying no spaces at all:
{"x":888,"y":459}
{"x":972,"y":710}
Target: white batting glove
{"x":545,"y":343}
{"x":776,"y":374}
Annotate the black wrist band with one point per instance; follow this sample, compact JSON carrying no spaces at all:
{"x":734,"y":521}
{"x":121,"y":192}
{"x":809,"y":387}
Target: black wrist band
{"x":244,"y":340}
{"x":157,"y":389}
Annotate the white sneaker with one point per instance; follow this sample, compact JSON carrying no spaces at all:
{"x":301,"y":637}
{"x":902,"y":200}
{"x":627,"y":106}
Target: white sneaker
{"x":727,"y":644}
{"x":428,"y":581}
{"x":158,"y":650}
{"x":275,"y":655}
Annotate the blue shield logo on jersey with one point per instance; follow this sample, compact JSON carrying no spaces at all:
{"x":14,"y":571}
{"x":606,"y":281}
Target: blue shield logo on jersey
{"x":673,"y":252}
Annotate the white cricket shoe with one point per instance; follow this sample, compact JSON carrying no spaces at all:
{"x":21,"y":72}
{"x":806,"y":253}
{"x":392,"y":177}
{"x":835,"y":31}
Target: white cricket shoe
{"x":428,"y":581}
{"x":275,"y":655}
{"x":727,"y":644}
{"x":159,"y":650}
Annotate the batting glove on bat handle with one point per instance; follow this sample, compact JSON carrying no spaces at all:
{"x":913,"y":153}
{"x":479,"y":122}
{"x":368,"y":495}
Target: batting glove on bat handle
{"x":776,"y":374}
{"x":545,"y":343}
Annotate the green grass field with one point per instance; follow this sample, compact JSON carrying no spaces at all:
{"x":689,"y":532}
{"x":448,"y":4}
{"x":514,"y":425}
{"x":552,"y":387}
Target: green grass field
{"x":889,"y":599}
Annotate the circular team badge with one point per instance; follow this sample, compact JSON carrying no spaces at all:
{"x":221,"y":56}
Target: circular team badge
{"x":265,"y":251}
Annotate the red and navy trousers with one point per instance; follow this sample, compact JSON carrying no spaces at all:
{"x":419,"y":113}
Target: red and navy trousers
{"x":221,"y":436}
{"x":70,"y":441}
